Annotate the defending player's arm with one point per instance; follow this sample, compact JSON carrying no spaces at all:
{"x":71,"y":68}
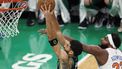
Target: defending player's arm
{"x":98,"y":52}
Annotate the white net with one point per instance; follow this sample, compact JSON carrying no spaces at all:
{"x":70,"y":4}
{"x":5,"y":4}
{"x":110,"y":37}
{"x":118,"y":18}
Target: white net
{"x":9,"y":16}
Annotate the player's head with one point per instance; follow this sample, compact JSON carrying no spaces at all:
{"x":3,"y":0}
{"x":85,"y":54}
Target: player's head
{"x":76,"y":47}
{"x":111,"y":40}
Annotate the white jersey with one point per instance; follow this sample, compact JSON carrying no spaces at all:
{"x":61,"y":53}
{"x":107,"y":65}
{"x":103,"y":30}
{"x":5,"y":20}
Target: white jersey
{"x":114,"y":59}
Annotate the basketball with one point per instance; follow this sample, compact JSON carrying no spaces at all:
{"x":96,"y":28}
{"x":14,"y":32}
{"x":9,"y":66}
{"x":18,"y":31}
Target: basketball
{"x":47,"y":2}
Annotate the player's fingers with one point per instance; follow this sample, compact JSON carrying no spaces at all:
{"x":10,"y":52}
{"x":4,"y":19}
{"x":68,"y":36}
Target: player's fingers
{"x":49,"y":8}
{"x":45,"y":7}
{"x":42,"y":8}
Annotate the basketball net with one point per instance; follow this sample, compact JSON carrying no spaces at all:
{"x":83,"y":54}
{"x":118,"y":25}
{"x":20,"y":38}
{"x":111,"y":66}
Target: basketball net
{"x":10,"y":13}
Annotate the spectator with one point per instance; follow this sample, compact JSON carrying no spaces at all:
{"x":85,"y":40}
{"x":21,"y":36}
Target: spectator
{"x":32,"y":6}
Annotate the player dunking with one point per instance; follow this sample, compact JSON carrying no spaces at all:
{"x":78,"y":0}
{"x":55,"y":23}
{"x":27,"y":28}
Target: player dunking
{"x":107,"y":53}
{"x":68,"y":57}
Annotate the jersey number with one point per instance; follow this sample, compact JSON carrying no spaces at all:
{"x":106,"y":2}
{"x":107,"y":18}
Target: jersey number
{"x":117,"y":65}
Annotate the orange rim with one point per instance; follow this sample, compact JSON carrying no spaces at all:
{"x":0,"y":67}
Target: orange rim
{"x":20,"y":8}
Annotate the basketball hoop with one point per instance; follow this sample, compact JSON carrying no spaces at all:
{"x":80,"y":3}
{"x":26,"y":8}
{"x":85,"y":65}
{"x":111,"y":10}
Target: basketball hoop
{"x":9,"y":16}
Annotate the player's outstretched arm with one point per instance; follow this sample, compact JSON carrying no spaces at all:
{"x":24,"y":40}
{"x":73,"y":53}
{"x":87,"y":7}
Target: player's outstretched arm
{"x":99,"y":53}
{"x":53,"y":25}
{"x":49,"y":31}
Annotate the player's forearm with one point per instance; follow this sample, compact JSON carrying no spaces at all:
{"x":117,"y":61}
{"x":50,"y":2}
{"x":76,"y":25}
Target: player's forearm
{"x":55,"y":27}
{"x":61,"y":38}
{"x":51,"y":34}
{"x":54,"y":22}
{"x":94,"y":50}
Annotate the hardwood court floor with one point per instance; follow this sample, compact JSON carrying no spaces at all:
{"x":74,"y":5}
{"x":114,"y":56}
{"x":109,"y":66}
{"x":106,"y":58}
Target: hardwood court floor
{"x":30,"y":50}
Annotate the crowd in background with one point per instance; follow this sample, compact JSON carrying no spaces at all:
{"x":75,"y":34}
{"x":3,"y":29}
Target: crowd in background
{"x":84,"y":12}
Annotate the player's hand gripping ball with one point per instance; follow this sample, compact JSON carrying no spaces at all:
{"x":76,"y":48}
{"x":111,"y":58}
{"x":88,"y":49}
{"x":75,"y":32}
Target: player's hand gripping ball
{"x":47,"y":3}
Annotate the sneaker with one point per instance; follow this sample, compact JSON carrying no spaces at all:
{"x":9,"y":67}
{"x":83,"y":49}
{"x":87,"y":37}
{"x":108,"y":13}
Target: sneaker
{"x":42,"y":31}
{"x":110,"y":22}
{"x":41,"y":21}
{"x":99,"y":19}
{"x":120,"y":28}
{"x":30,"y":19}
{"x":108,"y":25}
{"x":83,"y":25}
{"x":61,"y":23}
{"x":30,"y":22}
